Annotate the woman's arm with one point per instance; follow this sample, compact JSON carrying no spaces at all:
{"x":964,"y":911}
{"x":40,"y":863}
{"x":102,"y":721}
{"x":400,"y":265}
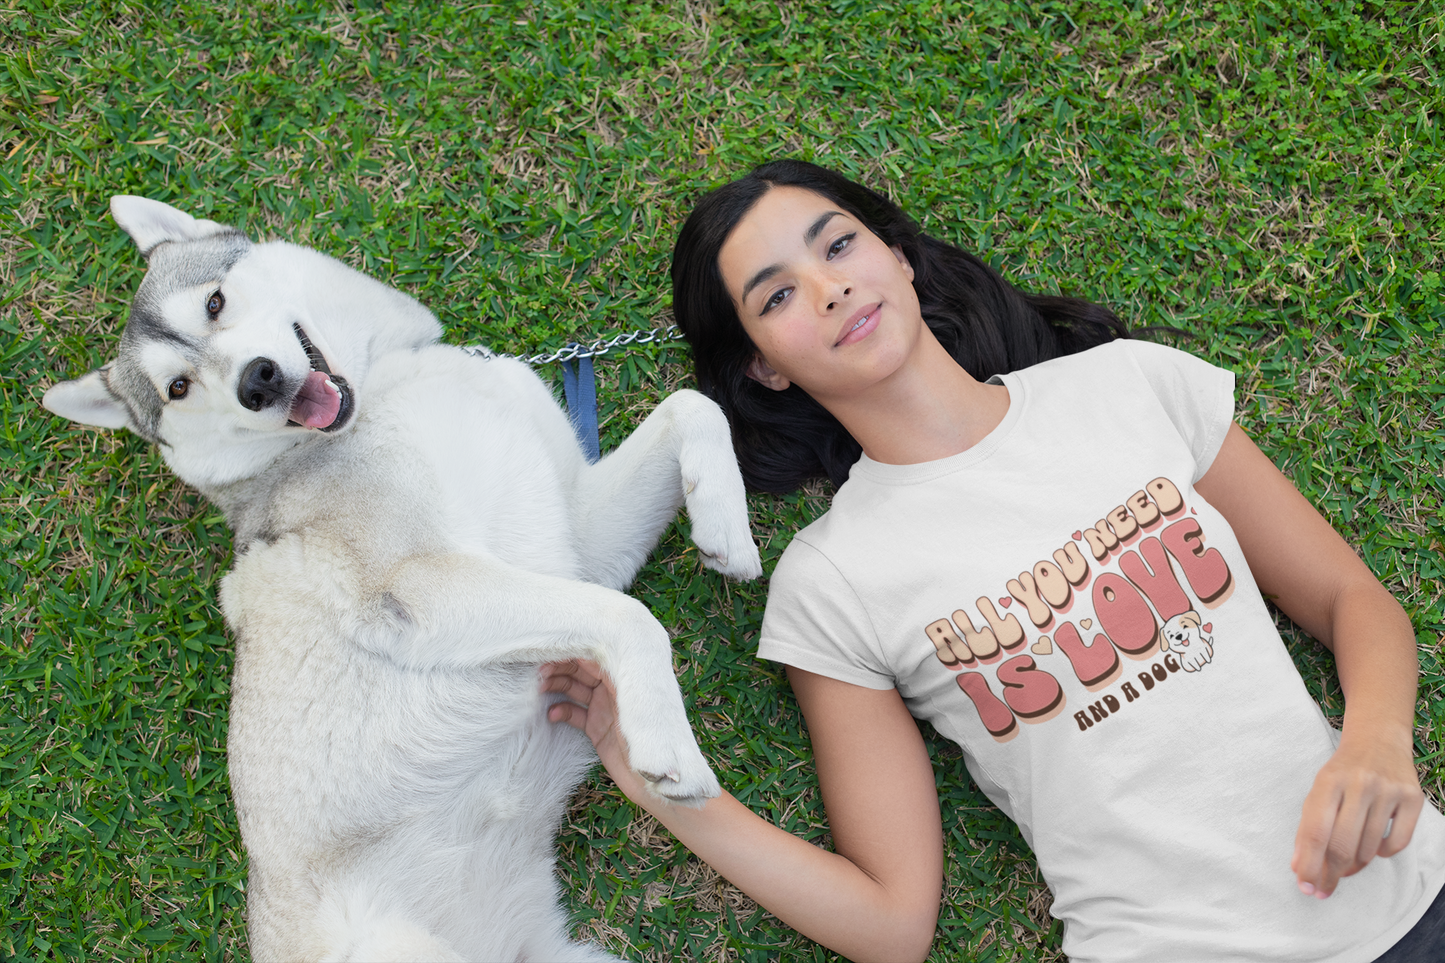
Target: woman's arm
{"x":876,"y":897}
{"x":1317,"y":580}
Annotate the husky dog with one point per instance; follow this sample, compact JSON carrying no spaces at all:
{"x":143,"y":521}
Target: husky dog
{"x":416,"y":529}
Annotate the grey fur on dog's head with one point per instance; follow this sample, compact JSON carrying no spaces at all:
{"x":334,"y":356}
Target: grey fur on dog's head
{"x":187,"y":252}
{"x":175,"y":267}
{"x":225,"y":339}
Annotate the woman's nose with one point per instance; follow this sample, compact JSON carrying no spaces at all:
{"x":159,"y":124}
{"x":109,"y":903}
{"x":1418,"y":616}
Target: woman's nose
{"x":837,"y":292}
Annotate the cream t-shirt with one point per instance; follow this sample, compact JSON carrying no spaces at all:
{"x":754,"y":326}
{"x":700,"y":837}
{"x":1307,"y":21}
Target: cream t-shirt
{"x":1060,"y":602}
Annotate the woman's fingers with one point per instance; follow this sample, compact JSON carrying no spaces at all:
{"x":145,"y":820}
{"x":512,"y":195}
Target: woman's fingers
{"x":585,"y":671}
{"x":576,"y":680}
{"x":574,"y":715}
{"x":590,"y":706}
{"x":1402,"y":824}
{"x":1312,"y":842}
{"x":1372,"y":832}
{"x":1345,"y":819}
{"x":570,"y":688}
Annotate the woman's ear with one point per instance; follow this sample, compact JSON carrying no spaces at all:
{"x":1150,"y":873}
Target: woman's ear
{"x":763,"y":373}
{"x":903,"y":260}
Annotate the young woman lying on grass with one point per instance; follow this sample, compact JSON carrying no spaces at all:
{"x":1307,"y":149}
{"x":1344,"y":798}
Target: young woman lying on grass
{"x":1053,"y":545}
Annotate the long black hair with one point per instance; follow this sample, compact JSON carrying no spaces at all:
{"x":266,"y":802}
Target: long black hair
{"x":785,"y":438}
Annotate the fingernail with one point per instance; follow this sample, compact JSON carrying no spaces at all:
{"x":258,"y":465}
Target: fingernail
{"x":1322,"y":895}
{"x":1307,"y":888}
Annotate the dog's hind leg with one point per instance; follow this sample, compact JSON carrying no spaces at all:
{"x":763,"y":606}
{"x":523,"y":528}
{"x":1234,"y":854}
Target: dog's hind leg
{"x":681,"y":453}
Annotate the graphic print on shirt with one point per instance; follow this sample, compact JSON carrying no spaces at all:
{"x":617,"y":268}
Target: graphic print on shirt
{"x":1188,"y":640}
{"x":1135,"y":548}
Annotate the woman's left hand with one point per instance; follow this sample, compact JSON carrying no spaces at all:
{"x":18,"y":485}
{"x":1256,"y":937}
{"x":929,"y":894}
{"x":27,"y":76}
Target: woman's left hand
{"x":1368,"y":788}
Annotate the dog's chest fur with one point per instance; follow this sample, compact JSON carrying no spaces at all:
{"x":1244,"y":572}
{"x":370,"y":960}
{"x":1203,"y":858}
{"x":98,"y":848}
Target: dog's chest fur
{"x":449,"y":450}
{"x":314,"y":712}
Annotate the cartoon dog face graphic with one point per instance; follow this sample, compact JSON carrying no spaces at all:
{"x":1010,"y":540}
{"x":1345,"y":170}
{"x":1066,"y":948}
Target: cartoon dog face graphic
{"x":1189,"y":640}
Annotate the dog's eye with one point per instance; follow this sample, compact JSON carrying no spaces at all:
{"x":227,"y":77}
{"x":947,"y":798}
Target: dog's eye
{"x":178,"y":388}
{"x":214,"y":304}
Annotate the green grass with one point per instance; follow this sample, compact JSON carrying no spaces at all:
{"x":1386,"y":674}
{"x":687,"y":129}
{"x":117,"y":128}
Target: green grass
{"x":1267,"y":175}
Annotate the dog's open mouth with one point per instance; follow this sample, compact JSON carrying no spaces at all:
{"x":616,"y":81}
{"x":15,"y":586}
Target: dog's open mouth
{"x":325,"y":400}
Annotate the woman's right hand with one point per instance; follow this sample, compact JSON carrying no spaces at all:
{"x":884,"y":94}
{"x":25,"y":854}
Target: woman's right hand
{"x":592,"y":707}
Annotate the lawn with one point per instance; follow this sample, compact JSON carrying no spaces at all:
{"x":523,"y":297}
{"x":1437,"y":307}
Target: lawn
{"x":1266,"y":176}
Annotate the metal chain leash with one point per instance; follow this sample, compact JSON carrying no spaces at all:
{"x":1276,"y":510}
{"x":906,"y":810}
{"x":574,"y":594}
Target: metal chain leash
{"x":579,"y":381}
{"x":574,"y":351}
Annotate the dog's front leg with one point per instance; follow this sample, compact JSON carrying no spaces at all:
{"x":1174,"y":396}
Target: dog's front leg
{"x":681,"y":453}
{"x":458,"y":610}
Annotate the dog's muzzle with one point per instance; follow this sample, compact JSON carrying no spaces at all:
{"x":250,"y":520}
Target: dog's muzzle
{"x":322,"y":400}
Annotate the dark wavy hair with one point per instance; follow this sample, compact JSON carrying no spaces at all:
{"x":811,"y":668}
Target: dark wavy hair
{"x":785,"y":438}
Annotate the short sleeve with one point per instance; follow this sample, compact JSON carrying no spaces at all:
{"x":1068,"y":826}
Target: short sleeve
{"x":1198,"y":397}
{"x":815,"y":621}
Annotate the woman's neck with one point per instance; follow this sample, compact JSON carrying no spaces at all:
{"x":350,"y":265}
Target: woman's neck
{"x":929,"y":408}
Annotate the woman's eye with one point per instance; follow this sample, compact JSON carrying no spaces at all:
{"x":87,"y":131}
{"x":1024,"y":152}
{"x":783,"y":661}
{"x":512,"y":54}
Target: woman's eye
{"x":837,"y":246}
{"x":777,"y":298}
{"x":214,"y":304}
{"x":178,"y":388}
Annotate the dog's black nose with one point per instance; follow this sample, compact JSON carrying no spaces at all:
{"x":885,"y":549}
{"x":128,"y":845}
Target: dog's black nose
{"x":260,"y":384}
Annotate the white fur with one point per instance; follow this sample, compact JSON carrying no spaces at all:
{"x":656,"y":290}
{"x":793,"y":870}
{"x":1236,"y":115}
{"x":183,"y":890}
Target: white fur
{"x":395,"y":585}
{"x":150,"y":223}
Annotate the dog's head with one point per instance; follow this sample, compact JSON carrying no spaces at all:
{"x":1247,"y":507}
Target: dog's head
{"x":235,"y":352}
{"x":1182,"y":631}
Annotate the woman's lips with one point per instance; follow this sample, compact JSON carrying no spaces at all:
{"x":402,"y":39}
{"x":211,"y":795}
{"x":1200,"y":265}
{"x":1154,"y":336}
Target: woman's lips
{"x":860,"y":325}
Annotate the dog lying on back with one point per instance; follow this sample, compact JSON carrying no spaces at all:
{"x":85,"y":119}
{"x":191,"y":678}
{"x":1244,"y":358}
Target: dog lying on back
{"x":415,"y":531}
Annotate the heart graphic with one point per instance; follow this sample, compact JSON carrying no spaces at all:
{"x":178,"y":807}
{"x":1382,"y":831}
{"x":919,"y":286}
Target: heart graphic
{"x":1193,"y":512}
{"x":1207,"y":627}
{"x":1078,"y":535}
{"x":1005,"y":601}
{"x":1044,"y":646}
{"x":1087,"y":624}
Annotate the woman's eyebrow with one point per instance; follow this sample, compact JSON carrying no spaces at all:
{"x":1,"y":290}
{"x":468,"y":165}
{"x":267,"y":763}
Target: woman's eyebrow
{"x":759,"y":278}
{"x":809,"y":236}
{"x":816,"y":228}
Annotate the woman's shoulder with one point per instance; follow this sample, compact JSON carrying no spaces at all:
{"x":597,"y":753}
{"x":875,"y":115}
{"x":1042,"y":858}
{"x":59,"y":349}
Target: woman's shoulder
{"x":1135,"y":354}
{"x":1168,"y":371}
{"x":820,"y":551}
{"x":809,"y":547}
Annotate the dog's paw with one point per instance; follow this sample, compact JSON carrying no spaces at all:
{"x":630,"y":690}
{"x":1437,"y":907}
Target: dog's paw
{"x":728,"y":549}
{"x":681,"y":775}
{"x":712,"y":488}
{"x":718,"y":509}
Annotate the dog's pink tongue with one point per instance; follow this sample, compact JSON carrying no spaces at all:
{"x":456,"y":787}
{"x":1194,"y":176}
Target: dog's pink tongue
{"x":318,"y":402}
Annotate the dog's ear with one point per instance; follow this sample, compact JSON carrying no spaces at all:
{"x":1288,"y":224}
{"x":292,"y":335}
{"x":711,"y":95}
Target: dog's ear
{"x":151,"y":223}
{"x":88,"y":401}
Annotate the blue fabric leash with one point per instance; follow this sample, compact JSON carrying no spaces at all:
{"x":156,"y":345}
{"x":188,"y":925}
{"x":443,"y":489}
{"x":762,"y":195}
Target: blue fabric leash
{"x":579,"y":383}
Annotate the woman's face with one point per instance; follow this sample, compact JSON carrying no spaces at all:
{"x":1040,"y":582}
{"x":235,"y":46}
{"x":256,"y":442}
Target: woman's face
{"x":830,"y":307}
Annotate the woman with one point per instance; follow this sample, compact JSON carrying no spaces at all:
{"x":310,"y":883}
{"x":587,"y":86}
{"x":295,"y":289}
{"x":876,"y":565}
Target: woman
{"x":1041,"y":550}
